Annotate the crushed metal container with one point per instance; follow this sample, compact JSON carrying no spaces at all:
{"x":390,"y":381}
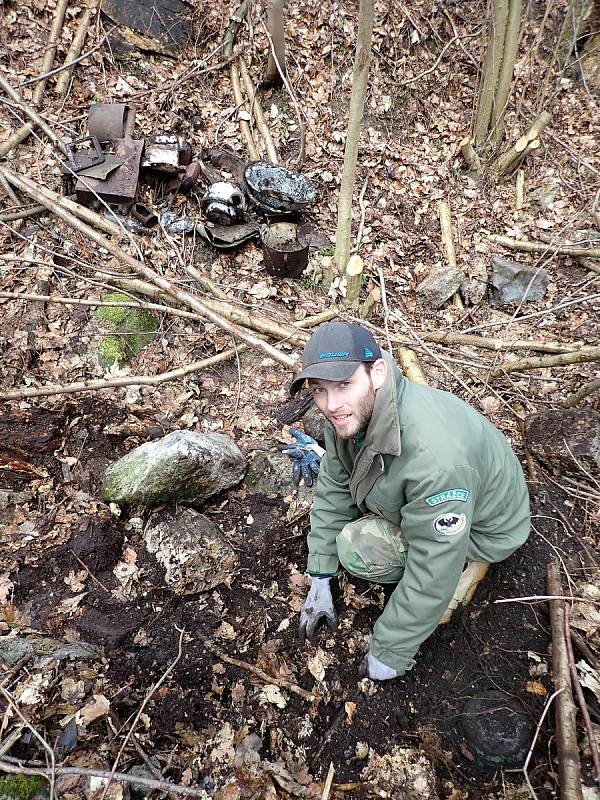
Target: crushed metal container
{"x":277,"y":189}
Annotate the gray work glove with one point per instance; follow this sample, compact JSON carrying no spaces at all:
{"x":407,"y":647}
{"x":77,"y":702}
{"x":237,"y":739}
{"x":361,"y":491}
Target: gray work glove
{"x":307,"y":455}
{"x":317,"y":606}
{"x":375,"y":669}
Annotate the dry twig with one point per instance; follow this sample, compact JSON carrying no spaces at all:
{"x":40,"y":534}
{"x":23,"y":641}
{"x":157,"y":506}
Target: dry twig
{"x":281,"y":682}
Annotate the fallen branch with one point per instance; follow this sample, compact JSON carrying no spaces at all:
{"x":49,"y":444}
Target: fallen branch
{"x":72,"y":58}
{"x":569,"y":768}
{"x":68,"y":64}
{"x":580,"y":698}
{"x":89,"y":572}
{"x":509,"y":161}
{"x":42,"y":193}
{"x":535,"y":736}
{"x":525,"y":246}
{"x":49,"y":750}
{"x":499,"y":345}
{"x":114,"y":383}
{"x":290,"y":91}
{"x":544,"y":597}
{"x":560,"y":360}
{"x":21,"y":768}
{"x":580,"y":394}
{"x":236,"y":20}
{"x":259,"y":116}
{"x":24,"y":213}
{"x":24,"y":131}
{"x":258,"y":673}
{"x":18,"y":137}
{"x":153,"y":277}
{"x":584,"y":649}
{"x":448,"y":242}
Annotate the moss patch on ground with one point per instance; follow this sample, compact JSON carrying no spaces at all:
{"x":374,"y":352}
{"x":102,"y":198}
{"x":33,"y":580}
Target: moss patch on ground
{"x":130,"y":329}
{"x":23,"y":787}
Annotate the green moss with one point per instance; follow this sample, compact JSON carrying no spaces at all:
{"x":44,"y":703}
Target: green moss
{"x":23,"y":787}
{"x":131,"y":329}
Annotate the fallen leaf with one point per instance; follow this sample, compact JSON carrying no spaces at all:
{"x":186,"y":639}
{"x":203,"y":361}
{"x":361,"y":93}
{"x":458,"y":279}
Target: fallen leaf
{"x":70,"y":604}
{"x":98,"y":707}
{"x":537,"y":688}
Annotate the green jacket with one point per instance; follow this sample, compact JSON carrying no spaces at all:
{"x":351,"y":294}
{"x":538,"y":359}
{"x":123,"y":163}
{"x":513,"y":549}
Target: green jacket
{"x":420,"y":444}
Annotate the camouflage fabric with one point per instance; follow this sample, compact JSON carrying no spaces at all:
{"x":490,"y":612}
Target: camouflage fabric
{"x":373,"y":549}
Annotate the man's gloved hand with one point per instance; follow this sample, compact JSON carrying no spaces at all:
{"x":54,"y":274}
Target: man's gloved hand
{"x":375,"y":669}
{"x":317,"y":606}
{"x":307,"y":457}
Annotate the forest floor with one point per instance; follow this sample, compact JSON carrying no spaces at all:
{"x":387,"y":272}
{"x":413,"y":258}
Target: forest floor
{"x":60,"y":543}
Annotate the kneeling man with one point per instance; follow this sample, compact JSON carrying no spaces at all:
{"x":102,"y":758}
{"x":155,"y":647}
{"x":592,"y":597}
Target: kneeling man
{"x":416,"y":489}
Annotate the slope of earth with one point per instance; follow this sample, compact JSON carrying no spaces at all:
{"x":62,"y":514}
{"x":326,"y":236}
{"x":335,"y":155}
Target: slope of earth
{"x":184,"y":669}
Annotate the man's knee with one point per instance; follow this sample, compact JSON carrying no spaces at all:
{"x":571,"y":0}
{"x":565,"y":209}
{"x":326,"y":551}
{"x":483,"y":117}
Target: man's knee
{"x":370,"y":548}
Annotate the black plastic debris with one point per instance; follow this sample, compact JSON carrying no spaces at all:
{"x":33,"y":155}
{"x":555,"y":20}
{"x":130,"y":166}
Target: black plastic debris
{"x":277,"y":189}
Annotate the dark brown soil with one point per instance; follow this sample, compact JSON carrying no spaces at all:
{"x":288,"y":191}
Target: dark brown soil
{"x":486,"y":646}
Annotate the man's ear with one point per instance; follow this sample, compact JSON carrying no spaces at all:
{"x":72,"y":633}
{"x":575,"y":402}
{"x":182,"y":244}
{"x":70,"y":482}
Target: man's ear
{"x":379,"y":372}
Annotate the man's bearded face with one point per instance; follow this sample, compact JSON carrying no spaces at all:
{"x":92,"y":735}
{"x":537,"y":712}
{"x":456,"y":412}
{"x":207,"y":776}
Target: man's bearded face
{"x":347,"y":404}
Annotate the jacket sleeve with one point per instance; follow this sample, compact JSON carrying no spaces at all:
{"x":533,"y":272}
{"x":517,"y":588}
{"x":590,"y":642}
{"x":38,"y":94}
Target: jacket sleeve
{"x":437,"y":537}
{"x":333,"y":507}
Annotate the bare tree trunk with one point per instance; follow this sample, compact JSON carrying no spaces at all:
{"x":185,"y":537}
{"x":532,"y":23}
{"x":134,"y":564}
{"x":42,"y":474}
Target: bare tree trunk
{"x":509,"y":57}
{"x":491,"y":71}
{"x":276,"y":26}
{"x":360,"y":77}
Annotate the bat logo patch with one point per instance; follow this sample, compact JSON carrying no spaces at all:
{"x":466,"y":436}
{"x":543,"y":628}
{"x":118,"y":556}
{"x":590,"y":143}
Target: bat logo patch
{"x":450,"y":524}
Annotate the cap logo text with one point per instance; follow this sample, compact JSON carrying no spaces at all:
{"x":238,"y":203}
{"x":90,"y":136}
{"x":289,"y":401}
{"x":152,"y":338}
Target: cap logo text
{"x":334,"y":355}
{"x":367,"y":353}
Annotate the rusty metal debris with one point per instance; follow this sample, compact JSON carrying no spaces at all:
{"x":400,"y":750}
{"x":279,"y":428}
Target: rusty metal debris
{"x":224,"y":203}
{"x":236,"y":196}
{"x":80,"y":157}
{"x":285,"y":255}
{"x":120,"y":186}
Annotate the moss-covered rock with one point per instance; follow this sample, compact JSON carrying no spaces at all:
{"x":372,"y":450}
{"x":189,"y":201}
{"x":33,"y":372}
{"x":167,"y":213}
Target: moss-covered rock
{"x":23,"y":787}
{"x":130,"y":329}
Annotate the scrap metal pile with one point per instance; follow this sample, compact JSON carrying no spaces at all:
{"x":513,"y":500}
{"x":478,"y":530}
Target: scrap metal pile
{"x":238,"y":202}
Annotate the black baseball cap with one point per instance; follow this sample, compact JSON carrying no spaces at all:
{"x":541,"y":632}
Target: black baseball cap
{"x":335,"y":351}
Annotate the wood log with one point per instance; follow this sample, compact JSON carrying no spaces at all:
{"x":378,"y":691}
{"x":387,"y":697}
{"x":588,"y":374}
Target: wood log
{"x":509,"y":161}
{"x":64,"y":79}
{"x":471,"y":158}
{"x":569,"y":768}
{"x":354,"y":273}
{"x":525,"y":246}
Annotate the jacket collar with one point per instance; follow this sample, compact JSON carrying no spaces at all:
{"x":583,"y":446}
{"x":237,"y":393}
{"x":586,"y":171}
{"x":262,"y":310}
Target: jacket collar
{"x":383,"y":431}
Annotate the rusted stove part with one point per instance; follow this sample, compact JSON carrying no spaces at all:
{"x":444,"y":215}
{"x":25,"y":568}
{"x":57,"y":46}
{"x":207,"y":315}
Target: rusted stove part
{"x":166,"y":152}
{"x":80,"y":157}
{"x":216,"y":161}
{"x":120,"y":185}
{"x":224,"y":203}
{"x":144,"y":215}
{"x":192,"y":173}
{"x":284,"y":255}
{"x":277,"y":189}
{"x":109,"y":121}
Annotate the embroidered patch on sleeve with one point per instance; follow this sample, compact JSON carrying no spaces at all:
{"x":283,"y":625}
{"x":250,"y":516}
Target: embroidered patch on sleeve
{"x":450,"y":524}
{"x":449,"y":494}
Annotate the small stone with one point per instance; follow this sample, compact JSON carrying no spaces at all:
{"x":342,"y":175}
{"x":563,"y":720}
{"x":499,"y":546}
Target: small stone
{"x":439,"y":286}
{"x":496,"y":729}
{"x":270,"y":473}
{"x":513,"y":283}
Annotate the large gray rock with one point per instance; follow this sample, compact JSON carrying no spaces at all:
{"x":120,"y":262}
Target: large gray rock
{"x":183,"y":467}
{"x":439,"y":286}
{"x":14,"y":648}
{"x":513,"y":283}
{"x":566,"y":440}
{"x":191,"y":549}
